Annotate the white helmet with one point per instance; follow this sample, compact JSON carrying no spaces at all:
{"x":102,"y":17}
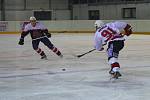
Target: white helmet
{"x":99,"y":23}
{"x":32,"y":18}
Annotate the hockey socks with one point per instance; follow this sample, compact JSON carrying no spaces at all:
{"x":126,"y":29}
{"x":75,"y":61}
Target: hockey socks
{"x":40,"y":52}
{"x":56,"y":51}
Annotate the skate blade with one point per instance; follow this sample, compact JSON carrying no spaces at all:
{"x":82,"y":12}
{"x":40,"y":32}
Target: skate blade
{"x":44,"y":59}
{"x":114,"y":78}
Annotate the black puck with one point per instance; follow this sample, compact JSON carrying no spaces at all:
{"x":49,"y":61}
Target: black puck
{"x":63,"y":69}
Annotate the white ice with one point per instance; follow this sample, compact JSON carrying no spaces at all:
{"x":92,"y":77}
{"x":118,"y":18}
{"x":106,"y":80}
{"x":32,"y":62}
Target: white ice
{"x":24,"y":76}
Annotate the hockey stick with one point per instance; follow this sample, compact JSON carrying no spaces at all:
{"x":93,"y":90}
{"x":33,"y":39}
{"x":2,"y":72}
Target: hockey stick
{"x":85,"y":53}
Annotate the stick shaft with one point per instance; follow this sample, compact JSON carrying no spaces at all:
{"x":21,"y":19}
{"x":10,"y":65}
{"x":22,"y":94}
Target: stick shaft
{"x":85,"y":53}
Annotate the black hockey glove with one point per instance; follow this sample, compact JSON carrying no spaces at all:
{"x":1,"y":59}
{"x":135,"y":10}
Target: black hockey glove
{"x":101,"y":49}
{"x":21,"y":41}
{"x":48,"y":35}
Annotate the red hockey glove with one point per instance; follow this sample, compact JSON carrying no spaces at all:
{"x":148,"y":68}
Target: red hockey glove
{"x":128,"y":30}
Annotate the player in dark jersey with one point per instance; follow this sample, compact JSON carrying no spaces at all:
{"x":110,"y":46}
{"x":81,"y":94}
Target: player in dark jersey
{"x":38,"y":34}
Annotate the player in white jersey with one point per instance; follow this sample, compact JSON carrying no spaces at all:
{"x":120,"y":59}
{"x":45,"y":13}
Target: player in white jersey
{"x":38,"y":34}
{"x":112,"y":34}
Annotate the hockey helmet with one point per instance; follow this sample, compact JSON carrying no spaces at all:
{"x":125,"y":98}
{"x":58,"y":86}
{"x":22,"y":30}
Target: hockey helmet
{"x":32,"y":18}
{"x":99,"y":23}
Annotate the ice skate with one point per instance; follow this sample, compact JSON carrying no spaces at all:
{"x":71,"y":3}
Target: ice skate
{"x":61,"y":56}
{"x":115,"y":75}
{"x":44,"y":57}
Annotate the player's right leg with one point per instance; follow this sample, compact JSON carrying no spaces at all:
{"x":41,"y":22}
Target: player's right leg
{"x":35,"y":44}
{"x":113,"y":51}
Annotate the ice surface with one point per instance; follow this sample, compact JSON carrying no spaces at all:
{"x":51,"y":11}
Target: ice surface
{"x":24,"y":76}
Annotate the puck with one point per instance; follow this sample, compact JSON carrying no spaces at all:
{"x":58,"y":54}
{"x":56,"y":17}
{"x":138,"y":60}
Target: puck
{"x":63,"y":69}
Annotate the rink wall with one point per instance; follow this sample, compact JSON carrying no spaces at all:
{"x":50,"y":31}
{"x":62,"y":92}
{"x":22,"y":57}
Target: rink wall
{"x":71,"y":26}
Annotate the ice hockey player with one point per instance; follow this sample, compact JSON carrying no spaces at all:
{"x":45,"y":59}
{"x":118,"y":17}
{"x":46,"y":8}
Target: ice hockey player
{"x":38,"y":34}
{"x":113,"y":34}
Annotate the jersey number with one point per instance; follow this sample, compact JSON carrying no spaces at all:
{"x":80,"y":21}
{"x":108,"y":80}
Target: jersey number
{"x":108,"y":34}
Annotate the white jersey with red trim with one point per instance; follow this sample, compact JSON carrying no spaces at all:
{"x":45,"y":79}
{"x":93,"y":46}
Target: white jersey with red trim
{"x":37,"y":31}
{"x":36,"y":27}
{"x":109,"y":32}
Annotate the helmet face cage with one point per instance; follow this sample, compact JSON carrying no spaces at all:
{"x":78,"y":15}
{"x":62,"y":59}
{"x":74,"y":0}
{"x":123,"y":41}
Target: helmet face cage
{"x":33,"y":21}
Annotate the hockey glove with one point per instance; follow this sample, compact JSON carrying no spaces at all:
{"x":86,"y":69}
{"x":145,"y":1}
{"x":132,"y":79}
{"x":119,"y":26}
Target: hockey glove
{"x":128,"y":30}
{"x":21,"y":41}
{"x":48,"y":35}
{"x":101,"y":49}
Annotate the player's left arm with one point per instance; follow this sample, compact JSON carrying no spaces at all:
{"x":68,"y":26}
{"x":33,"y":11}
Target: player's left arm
{"x":47,"y":33}
{"x":45,"y":30}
